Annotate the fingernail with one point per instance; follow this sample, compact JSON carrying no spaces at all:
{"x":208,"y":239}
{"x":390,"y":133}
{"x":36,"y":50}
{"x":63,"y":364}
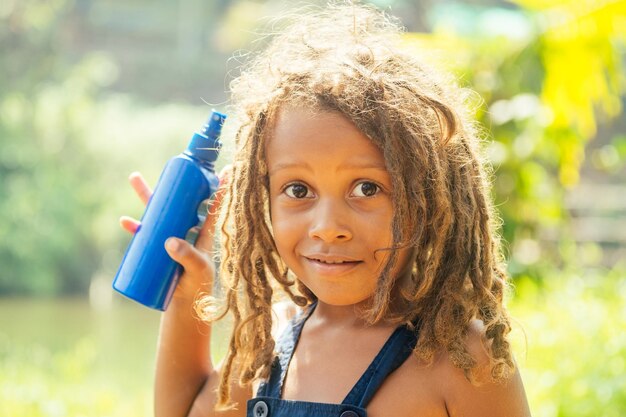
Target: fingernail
{"x":172,"y":245}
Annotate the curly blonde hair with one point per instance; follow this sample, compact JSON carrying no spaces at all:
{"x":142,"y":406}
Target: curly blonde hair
{"x":346,"y":59}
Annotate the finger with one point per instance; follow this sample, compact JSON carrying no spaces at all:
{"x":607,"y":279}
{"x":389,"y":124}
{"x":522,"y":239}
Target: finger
{"x":193,"y":260}
{"x":129,"y":224}
{"x":140,"y":186}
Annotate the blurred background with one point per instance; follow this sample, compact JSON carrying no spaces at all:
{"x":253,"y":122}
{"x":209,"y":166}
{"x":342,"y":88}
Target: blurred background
{"x":91,"y":90}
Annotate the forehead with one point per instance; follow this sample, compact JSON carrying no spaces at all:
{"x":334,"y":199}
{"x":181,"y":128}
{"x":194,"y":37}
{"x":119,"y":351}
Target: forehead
{"x":304,"y":135}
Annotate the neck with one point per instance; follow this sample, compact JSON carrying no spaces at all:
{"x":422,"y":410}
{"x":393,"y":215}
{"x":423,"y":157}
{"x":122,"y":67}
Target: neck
{"x":339,"y":316}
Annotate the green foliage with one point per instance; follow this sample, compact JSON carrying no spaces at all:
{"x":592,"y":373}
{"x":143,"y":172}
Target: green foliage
{"x":548,"y":73}
{"x":548,"y":76}
{"x":67,"y":149}
{"x":45,"y":109}
{"x":575,"y":356}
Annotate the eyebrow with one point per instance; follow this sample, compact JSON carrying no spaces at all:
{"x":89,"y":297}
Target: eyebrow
{"x":292,"y":165}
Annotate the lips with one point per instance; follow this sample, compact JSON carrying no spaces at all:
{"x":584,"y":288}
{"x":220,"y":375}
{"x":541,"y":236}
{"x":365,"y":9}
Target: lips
{"x":331,"y":265}
{"x":331,"y":259}
{"x":331,"y":262}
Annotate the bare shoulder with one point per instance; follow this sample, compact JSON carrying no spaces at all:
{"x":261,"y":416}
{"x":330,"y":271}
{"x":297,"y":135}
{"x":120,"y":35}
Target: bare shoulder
{"x":484,"y":398}
{"x":440,"y":389}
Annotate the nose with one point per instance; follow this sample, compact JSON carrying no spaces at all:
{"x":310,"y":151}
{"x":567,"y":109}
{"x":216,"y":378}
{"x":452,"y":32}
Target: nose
{"x":329,"y":221}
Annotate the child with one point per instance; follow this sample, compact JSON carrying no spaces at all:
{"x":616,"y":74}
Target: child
{"x":357,"y":191}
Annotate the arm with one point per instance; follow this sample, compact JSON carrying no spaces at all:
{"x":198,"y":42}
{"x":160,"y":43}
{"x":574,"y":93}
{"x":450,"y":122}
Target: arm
{"x":487,"y":399}
{"x":186,"y":379}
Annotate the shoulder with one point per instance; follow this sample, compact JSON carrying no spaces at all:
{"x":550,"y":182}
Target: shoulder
{"x":484,"y":397}
{"x":418,"y":388}
{"x":440,"y":389}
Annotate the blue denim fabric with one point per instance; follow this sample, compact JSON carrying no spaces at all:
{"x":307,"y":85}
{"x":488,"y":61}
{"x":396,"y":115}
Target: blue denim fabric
{"x":268,"y":402}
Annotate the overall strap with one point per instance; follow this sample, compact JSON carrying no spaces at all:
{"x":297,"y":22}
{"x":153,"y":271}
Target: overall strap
{"x":285,"y":347}
{"x":393,"y":354}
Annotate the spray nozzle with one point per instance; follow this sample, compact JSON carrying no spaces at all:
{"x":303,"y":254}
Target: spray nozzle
{"x":205,"y":145}
{"x":213,"y":125}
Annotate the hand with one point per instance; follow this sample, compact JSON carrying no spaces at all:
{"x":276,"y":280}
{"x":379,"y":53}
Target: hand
{"x":196,"y":260}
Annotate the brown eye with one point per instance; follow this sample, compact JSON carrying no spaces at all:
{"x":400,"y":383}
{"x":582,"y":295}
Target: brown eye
{"x":297,"y":191}
{"x":366,"y":189}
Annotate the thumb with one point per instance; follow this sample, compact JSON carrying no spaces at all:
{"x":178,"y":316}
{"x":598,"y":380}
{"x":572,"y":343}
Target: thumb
{"x":192,"y":260}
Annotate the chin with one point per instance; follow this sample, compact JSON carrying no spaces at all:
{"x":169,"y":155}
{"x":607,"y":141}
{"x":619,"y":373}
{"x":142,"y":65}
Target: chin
{"x":341,"y":301}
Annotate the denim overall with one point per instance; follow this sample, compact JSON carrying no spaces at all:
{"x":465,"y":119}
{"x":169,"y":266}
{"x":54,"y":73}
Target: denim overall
{"x":268,"y":402}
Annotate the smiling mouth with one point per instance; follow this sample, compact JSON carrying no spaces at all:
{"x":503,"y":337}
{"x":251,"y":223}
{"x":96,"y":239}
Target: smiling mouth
{"x":332,"y":262}
{"x":332,"y":267}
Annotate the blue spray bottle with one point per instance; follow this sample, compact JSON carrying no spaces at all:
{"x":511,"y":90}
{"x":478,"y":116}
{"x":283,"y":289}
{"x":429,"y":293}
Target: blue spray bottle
{"x":147,"y":274}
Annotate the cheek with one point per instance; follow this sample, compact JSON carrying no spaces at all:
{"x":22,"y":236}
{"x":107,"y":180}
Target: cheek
{"x":283,"y":231}
{"x":377,"y":227}
{"x":379,"y":236}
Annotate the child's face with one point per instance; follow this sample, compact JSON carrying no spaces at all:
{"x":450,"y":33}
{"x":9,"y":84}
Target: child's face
{"x":331,"y":204}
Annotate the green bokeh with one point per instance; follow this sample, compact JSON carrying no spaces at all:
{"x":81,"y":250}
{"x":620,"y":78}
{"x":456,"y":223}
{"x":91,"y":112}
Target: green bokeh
{"x":91,"y":91}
